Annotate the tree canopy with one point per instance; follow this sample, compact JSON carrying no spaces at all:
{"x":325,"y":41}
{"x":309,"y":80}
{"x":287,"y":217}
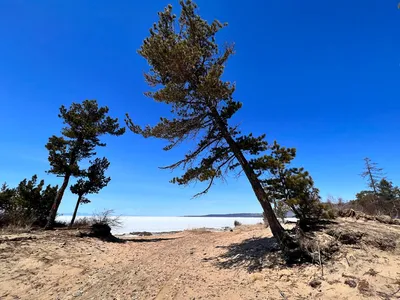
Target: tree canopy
{"x":93,"y":181}
{"x":27,"y":204}
{"x":84,"y":124}
{"x":187,"y":67}
{"x":186,"y":72}
{"x":290,"y":186}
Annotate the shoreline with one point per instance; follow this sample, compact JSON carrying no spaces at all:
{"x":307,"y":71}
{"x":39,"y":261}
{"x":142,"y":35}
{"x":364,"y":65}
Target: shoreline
{"x":156,"y":233}
{"x":168,"y":224}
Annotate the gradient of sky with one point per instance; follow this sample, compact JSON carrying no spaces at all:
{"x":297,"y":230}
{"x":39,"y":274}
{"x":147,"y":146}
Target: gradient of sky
{"x":321,"y":76}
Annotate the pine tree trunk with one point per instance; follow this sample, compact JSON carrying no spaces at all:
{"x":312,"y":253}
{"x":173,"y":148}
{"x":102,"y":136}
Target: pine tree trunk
{"x":57,"y":201}
{"x":277,"y":230}
{"x":75,"y":211}
{"x":373,"y":185}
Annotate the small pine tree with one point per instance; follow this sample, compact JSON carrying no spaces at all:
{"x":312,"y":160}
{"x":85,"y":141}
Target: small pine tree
{"x":292,"y":187}
{"x":92,"y":183}
{"x":387,"y":191}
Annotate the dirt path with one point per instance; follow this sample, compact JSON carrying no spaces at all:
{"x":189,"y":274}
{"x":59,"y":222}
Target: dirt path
{"x":188,"y":265}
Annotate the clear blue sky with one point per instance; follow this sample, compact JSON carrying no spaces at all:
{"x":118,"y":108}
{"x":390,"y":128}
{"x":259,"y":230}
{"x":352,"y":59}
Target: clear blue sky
{"x":321,"y":76}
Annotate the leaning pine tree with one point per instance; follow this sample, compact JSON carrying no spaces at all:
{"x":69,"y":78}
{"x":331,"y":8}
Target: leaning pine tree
{"x":91,"y":183}
{"x":84,"y":123}
{"x":186,"y":72}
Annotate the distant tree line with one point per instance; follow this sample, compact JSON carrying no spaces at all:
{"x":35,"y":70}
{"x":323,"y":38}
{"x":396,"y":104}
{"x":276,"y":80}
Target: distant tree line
{"x":382,"y":197}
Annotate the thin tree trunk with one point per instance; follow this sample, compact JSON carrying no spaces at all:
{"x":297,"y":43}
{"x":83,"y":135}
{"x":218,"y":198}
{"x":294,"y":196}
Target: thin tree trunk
{"x":277,"y":230}
{"x":57,"y":201}
{"x":372,"y":179}
{"x":60,"y":192}
{"x":75,"y":211}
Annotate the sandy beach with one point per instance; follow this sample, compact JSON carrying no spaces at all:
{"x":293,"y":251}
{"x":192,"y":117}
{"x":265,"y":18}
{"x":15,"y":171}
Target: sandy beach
{"x":193,"y":264}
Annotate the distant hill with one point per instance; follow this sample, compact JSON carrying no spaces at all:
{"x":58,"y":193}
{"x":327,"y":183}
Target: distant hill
{"x":290,"y":214}
{"x":238,"y":215}
{"x":79,"y":214}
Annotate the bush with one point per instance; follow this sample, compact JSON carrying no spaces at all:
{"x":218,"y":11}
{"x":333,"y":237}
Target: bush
{"x":28,"y":204}
{"x":98,"y":218}
{"x":82,"y":222}
{"x":100,"y":230}
{"x":59,"y":224}
{"x":105,"y":217}
{"x":328,"y":213}
{"x":237,"y":223}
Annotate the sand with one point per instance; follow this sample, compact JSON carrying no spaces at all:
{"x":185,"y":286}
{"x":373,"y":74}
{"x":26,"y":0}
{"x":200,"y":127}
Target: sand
{"x":195,"y":264}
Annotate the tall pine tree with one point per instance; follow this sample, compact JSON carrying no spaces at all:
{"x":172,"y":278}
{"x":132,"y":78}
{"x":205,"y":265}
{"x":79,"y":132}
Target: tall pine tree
{"x":186,"y":70}
{"x":84,"y":123}
{"x":373,"y":174}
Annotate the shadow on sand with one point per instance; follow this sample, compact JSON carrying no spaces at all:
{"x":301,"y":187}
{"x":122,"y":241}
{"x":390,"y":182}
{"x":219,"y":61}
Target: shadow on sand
{"x":263,"y":252}
{"x":150,"y":240}
{"x":253,"y":254}
{"x":114,"y":239}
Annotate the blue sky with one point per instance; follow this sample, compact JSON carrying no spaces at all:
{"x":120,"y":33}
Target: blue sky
{"x":320,"y":76}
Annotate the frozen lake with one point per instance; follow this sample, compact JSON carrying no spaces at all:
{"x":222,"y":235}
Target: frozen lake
{"x":161,"y":224}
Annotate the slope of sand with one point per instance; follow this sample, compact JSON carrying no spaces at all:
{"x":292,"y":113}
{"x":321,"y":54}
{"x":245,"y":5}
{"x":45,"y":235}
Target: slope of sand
{"x":191,"y":265}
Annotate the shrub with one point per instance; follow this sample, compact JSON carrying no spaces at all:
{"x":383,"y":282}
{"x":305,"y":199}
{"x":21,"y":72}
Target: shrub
{"x":105,"y":217}
{"x":237,"y":223}
{"x":26,"y":205}
{"x":82,"y":222}
{"x":328,"y":213}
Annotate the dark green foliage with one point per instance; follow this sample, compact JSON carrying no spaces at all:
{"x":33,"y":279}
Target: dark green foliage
{"x":84,"y":124}
{"x":193,"y":88}
{"x":27,"y":204}
{"x":237,"y":223}
{"x":289,"y":186}
{"x":186,"y":70}
{"x":93,"y":181}
{"x":186,"y":66}
{"x":387,"y":191}
{"x":6,"y":194}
